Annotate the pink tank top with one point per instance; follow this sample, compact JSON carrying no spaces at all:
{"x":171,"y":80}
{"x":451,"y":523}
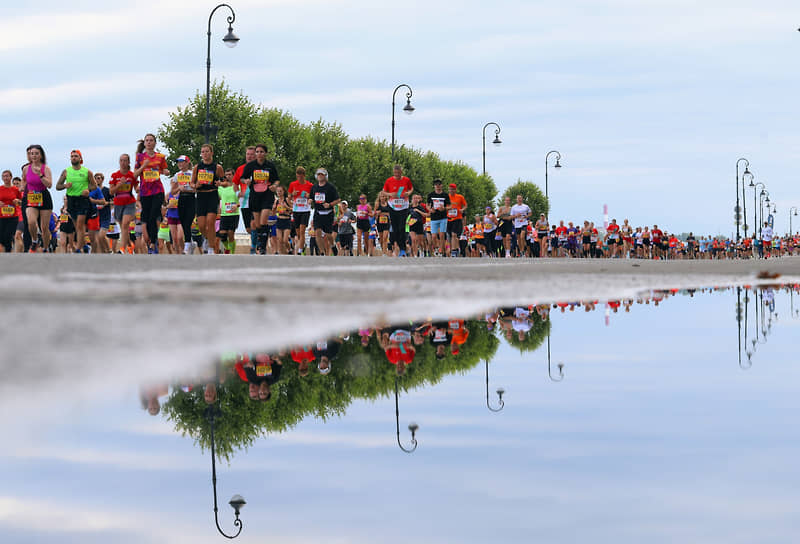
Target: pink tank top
{"x":363,"y":211}
{"x":33,"y":181}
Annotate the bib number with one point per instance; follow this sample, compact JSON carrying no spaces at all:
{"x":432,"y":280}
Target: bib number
{"x":8,"y":211}
{"x":399,"y":203}
{"x":35,"y":200}
{"x":151,"y":175}
{"x":319,"y":198}
{"x":230,"y":207}
{"x":205,"y":177}
{"x":452,"y":212}
{"x":383,"y":219}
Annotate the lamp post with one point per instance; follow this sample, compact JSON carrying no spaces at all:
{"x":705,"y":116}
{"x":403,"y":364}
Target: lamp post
{"x":411,"y":426}
{"x":746,"y":171}
{"x":549,"y":368}
{"x":500,"y":392}
{"x":408,"y":108}
{"x":755,"y":187}
{"x":763,"y":198}
{"x":744,"y":200}
{"x":230,"y":40}
{"x":546,"y":165}
{"x":496,"y":141}
{"x":790,"y":218}
{"x":237,"y":502}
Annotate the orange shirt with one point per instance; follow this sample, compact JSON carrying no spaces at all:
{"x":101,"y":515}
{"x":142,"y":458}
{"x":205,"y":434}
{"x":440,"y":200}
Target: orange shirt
{"x":458,"y":204}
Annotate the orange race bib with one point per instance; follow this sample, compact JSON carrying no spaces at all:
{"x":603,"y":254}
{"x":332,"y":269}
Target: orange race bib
{"x":263,"y":370}
{"x":261,"y":176}
{"x":8,"y":211}
{"x":151,"y":175}
{"x":63,"y":218}
{"x":383,"y":219}
{"x":173,"y":203}
{"x":205,"y":177}
{"x":35,"y":200}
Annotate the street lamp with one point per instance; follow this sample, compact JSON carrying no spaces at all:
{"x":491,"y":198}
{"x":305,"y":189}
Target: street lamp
{"x":546,"y":164}
{"x":408,"y":108}
{"x":756,"y":224}
{"x":549,"y":368}
{"x":737,"y":209}
{"x":230,"y":40}
{"x":237,"y":502}
{"x":763,"y":198}
{"x":413,"y":427}
{"x":496,"y":141}
{"x":790,"y":218}
{"x":744,"y":199}
{"x":500,"y":392}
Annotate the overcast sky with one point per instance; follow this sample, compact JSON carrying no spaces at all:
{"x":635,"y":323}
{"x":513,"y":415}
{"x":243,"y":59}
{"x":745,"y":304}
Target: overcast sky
{"x":650,"y":103}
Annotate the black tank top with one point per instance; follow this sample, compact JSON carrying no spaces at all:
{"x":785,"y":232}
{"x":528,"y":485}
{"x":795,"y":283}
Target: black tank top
{"x":208,"y":172}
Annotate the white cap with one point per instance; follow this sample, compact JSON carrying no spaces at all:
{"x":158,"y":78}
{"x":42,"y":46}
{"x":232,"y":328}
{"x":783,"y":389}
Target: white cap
{"x":322,"y":171}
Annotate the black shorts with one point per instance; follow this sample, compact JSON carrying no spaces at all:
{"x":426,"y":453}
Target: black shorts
{"x":362,"y":224}
{"x":67,"y":227}
{"x":324,"y":222}
{"x":283,"y":223}
{"x":207,"y":203}
{"x":586,"y":239}
{"x":611,"y":242}
{"x":383,"y":227}
{"x":456,"y":226}
{"x":418,"y":227}
{"x":261,"y":201}
{"x":646,"y":241}
{"x":541,"y":235}
{"x":301,"y":218}
{"x":77,"y":205}
{"x":229,"y":222}
{"x":506,"y":228}
{"x":47,"y":201}
{"x":247,"y":217}
{"x":346,"y":241}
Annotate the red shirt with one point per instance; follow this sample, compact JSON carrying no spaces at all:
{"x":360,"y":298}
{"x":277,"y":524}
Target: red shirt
{"x":398,"y":190}
{"x":657,"y":234}
{"x":612,"y":228}
{"x":300,"y":355}
{"x":237,"y":179}
{"x":123,"y":195}
{"x":7,"y":197}
{"x":396,"y":355}
{"x":561,"y":231}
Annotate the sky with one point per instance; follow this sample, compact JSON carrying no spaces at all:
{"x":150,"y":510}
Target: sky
{"x":650,"y":103}
{"x":646,"y":438}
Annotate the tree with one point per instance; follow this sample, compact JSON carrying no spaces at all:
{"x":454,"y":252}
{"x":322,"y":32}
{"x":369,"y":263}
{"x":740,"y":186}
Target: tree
{"x":354,"y":165}
{"x":531,"y":194}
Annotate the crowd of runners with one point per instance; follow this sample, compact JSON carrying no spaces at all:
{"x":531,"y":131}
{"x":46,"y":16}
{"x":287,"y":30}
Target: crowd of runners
{"x":146,"y":209}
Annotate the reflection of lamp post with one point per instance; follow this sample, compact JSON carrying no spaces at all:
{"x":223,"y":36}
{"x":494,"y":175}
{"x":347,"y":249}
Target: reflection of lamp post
{"x":230,"y":40}
{"x":560,"y":365}
{"x":408,"y":108}
{"x":236,"y":502}
{"x":411,"y":426}
{"x":496,"y":141}
{"x":500,"y":392}
{"x":739,"y":323}
{"x":546,"y":164}
{"x":746,"y":171}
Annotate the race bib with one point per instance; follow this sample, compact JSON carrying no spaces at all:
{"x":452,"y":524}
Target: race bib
{"x":63,"y":218}
{"x":124,"y":187}
{"x":261,"y":176}
{"x":263,"y":370}
{"x":35,"y":200}
{"x":383,"y":219}
{"x":205,"y":177}
{"x":440,"y":335}
{"x":319,"y":198}
{"x":281,"y":209}
{"x":230,"y":207}
{"x":8,"y":211}
{"x":112,"y":228}
{"x":322,"y":346}
{"x":412,"y":221}
{"x":151,"y":175}
{"x":184,"y":180}
{"x":173,"y":203}
{"x":362,"y":214}
{"x":438,"y":203}
{"x":399,"y":203}
{"x":452,"y":212}
{"x":301,"y":202}
{"x":455,"y":325}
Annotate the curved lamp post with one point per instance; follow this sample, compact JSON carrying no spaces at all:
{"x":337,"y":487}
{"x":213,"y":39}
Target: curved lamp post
{"x":237,"y":502}
{"x":413,"y":427}
{"x":500,"y":392}
{"x":746,"y":171}
{"x":549,"y":368}
{"x":546,"y":165}
{"x":496,"y":141}
{"x":408,"y":108}
{"x":744,"y":199}
{"x":763,"y":198}
{"x":793,"y":208}
{"x":755,"y":187}
{"x":230,"y":40}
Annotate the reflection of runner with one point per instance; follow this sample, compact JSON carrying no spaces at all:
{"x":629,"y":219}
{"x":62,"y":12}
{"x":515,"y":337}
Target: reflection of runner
{"x":398,"y":348}
{"x":260,"y":371}
{"x":326,"y":351}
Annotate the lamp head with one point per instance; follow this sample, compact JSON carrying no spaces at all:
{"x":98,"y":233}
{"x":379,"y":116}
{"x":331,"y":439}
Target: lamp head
{"x":501,"y":392}
{"x":413,"y":427}
{"x":558,"y":163}
{"x":230,"y":38}
{"x":747,"y":171}
{"x":497,"y":140}
{"x":237,"y":502}
{"x":408,"y":108}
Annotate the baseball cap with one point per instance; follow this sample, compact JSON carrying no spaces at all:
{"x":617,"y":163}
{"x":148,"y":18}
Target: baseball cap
{"x":321,"y":171}
{"x":183,"y":158}
{"x":437,"y":181}
{"x":452,"y":185}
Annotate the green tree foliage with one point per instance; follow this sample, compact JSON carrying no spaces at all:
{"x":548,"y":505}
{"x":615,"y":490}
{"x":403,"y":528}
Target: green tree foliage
{"x":533,"y":339}
{"x":354,"y":165}
{"x":531,"y":193}
{"x":357,"y":373}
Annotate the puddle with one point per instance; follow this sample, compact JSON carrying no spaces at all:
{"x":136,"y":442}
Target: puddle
{"x":663,"y":417}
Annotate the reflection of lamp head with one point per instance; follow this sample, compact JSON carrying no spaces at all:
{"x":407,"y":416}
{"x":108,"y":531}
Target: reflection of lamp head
{"x":237,"y":502}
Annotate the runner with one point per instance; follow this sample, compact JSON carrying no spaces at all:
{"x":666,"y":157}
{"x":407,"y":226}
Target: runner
{"x":100,"y":199}
{"x":560,"y":239}
{"x":398,"y":189}
{"x":627,"y":238}
{"x":229,"y":213}
{"x":79,"y":182}
{"x":613,"y":238}
{"x":489,"y":232}
{"x":121,"y":187}
{"x":438,"y":203}
{"x":206,"y":177}
{"x":416,"y":225}
{"x":455,"y":221}
{"x":766,"y":240}
{"x":344,"y":241}
{"x":656,"y":234}
{"x":244,"y":197}
{"x":10,"y":202}
{"x":542,"y":230}
{"x":382,"y":210}
{"x":363,"y":215}
{"x":299,"y":193}
{"x":19,"y":235}
{"x":324,"y":196}
{"x":186,"y":210}
{"x":261,"y":176}
{"x":149,"y":168}
{"x":37,"y":180}
{"x":282,"y":209}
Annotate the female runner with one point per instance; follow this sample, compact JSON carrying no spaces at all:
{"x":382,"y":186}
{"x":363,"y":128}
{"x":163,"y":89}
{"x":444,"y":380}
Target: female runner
{"x":37,"y":180}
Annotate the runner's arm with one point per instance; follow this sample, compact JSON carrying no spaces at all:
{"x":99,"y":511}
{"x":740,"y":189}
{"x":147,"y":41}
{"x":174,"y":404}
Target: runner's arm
{"x":60,"y":184}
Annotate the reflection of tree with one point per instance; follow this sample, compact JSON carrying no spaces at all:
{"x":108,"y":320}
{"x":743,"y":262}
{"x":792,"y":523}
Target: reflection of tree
{"x":357,"y":373}
{"x":533,"y":338}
